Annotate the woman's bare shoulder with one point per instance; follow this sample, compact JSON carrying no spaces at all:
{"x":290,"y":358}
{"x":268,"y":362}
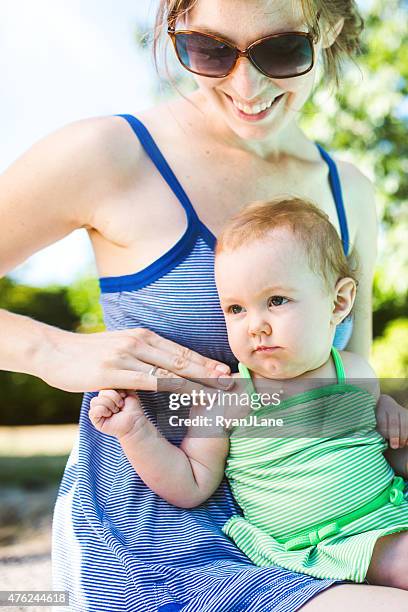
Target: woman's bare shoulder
{"x":114,"y":145}
{"x":358,"y":190}
{"x":82,"y":155}
{"x":359,"y":372}
{"x":356,"y":366}
{"x":106,"y":146}
{"x":59,"y":182}
{"x":359,"y":201}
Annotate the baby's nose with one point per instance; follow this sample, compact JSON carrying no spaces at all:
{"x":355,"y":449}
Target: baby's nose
{"x":259,"y":325}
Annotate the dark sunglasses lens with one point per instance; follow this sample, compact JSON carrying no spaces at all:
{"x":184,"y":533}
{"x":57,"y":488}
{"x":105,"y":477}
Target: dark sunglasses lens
{"x":204,"y":55}
{"x":283,"y":56}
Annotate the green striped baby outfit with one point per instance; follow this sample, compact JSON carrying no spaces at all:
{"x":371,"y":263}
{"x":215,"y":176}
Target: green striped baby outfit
{"x":318,"y":504}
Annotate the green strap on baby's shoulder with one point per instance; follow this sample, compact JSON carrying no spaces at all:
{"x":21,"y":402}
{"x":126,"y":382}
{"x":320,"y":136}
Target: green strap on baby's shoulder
{"x":245,"y":374}
{"x":338,"y":364}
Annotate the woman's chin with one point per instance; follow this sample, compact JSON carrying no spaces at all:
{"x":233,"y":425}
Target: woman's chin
{"x":262,"y":130}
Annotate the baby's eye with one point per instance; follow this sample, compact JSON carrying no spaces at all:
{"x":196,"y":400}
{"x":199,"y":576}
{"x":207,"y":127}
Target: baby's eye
{"x":234,"y":309}
{"x":277,"y":300}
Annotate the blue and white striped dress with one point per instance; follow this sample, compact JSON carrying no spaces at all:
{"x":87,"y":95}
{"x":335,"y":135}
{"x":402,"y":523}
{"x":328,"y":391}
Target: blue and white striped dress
{"x":117,"y":546}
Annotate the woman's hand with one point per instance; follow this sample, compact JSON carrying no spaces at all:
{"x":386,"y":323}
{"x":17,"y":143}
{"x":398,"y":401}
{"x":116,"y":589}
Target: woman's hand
{"x":122,"y":360}
{"x":392,"y":421}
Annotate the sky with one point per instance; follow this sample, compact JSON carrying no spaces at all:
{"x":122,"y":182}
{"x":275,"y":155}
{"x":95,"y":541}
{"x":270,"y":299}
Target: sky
{"x":60,"y":61}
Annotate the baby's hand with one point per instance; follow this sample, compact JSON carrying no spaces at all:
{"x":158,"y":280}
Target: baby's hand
{"x":392,"y":421}
{"x":116,"y":413}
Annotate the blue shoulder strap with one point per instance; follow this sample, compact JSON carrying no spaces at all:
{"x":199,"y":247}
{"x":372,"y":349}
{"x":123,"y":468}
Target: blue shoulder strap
{"x":167,"y":173}
{"x":335,"y":186}
{"x":161,"y":164}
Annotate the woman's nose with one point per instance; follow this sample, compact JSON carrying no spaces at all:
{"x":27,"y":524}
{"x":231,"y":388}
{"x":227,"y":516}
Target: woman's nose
{"x":246,"y":79}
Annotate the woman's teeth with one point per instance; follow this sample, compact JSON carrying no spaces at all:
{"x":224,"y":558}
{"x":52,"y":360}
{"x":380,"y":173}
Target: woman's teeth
{"x":253,"y":110}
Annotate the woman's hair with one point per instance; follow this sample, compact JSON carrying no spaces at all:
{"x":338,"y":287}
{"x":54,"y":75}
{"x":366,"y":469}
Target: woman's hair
{"x":309,"y":224}
{"x":330,"y":11}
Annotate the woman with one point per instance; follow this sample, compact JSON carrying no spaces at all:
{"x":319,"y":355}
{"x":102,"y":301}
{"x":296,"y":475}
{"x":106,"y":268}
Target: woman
{"x":116,"y":545}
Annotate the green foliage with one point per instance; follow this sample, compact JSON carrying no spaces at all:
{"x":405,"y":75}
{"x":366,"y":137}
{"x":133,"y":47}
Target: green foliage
{"x":390,"y":352}
{"x":366,"y":122}
{"x":83,"y":298}
{"x":48,"y":305}
{"x":26,"y":400}
{"x":387,"y":303}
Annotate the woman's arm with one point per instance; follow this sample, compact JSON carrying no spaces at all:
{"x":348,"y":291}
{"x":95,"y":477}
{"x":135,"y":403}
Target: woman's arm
{"x":51,"y":190}
{"x":44,"y":195}
{"x":392,"y":419}
{"x":392,"y":424}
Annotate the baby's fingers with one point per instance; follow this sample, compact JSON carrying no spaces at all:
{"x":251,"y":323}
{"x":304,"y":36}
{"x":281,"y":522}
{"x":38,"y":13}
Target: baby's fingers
{"x":98,"y":413}
{"x":111,"y":399}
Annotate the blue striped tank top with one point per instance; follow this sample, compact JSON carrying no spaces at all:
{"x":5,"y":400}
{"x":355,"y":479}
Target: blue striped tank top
{"x":116,"y":545}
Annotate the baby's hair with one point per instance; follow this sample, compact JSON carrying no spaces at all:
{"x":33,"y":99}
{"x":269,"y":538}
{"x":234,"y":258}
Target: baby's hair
{"x":308,"y":223}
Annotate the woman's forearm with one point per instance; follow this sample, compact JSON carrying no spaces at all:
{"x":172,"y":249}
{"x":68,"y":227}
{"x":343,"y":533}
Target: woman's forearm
{"x":78,"y":362}
{"x":24,"y":343}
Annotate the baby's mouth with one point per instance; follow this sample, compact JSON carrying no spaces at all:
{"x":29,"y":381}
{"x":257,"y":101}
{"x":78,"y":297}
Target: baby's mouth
{"x":264,"y":348}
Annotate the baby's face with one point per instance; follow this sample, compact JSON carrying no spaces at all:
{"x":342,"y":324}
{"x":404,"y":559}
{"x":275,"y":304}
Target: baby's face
{"x":278,"y":312}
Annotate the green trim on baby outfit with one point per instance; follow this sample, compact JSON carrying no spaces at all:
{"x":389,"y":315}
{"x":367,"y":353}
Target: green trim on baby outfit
{"x":338,"y":364}
{"x":394,"y":494}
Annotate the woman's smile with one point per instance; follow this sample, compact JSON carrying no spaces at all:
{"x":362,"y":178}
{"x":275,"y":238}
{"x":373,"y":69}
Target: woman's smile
{"x":254,"y":112}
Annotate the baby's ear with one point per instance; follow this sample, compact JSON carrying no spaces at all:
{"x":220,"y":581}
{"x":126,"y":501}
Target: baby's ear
{"x":345,"y":294}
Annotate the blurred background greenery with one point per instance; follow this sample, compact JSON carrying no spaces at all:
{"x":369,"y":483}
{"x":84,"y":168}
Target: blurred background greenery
{"x":364,"y":121}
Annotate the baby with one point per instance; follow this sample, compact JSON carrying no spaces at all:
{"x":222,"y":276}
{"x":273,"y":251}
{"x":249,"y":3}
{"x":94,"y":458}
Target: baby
{"x":321,"y":504}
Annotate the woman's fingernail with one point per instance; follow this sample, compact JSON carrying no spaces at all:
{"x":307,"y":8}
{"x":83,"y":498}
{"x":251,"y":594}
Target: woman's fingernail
{"x":221,"y":367}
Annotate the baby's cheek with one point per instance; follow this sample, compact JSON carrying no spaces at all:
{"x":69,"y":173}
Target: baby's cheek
{"x":238,"y":341}
{"x":291,"y":330}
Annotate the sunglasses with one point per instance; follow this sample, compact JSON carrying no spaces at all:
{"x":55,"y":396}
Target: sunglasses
{"x":279,"y":56}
